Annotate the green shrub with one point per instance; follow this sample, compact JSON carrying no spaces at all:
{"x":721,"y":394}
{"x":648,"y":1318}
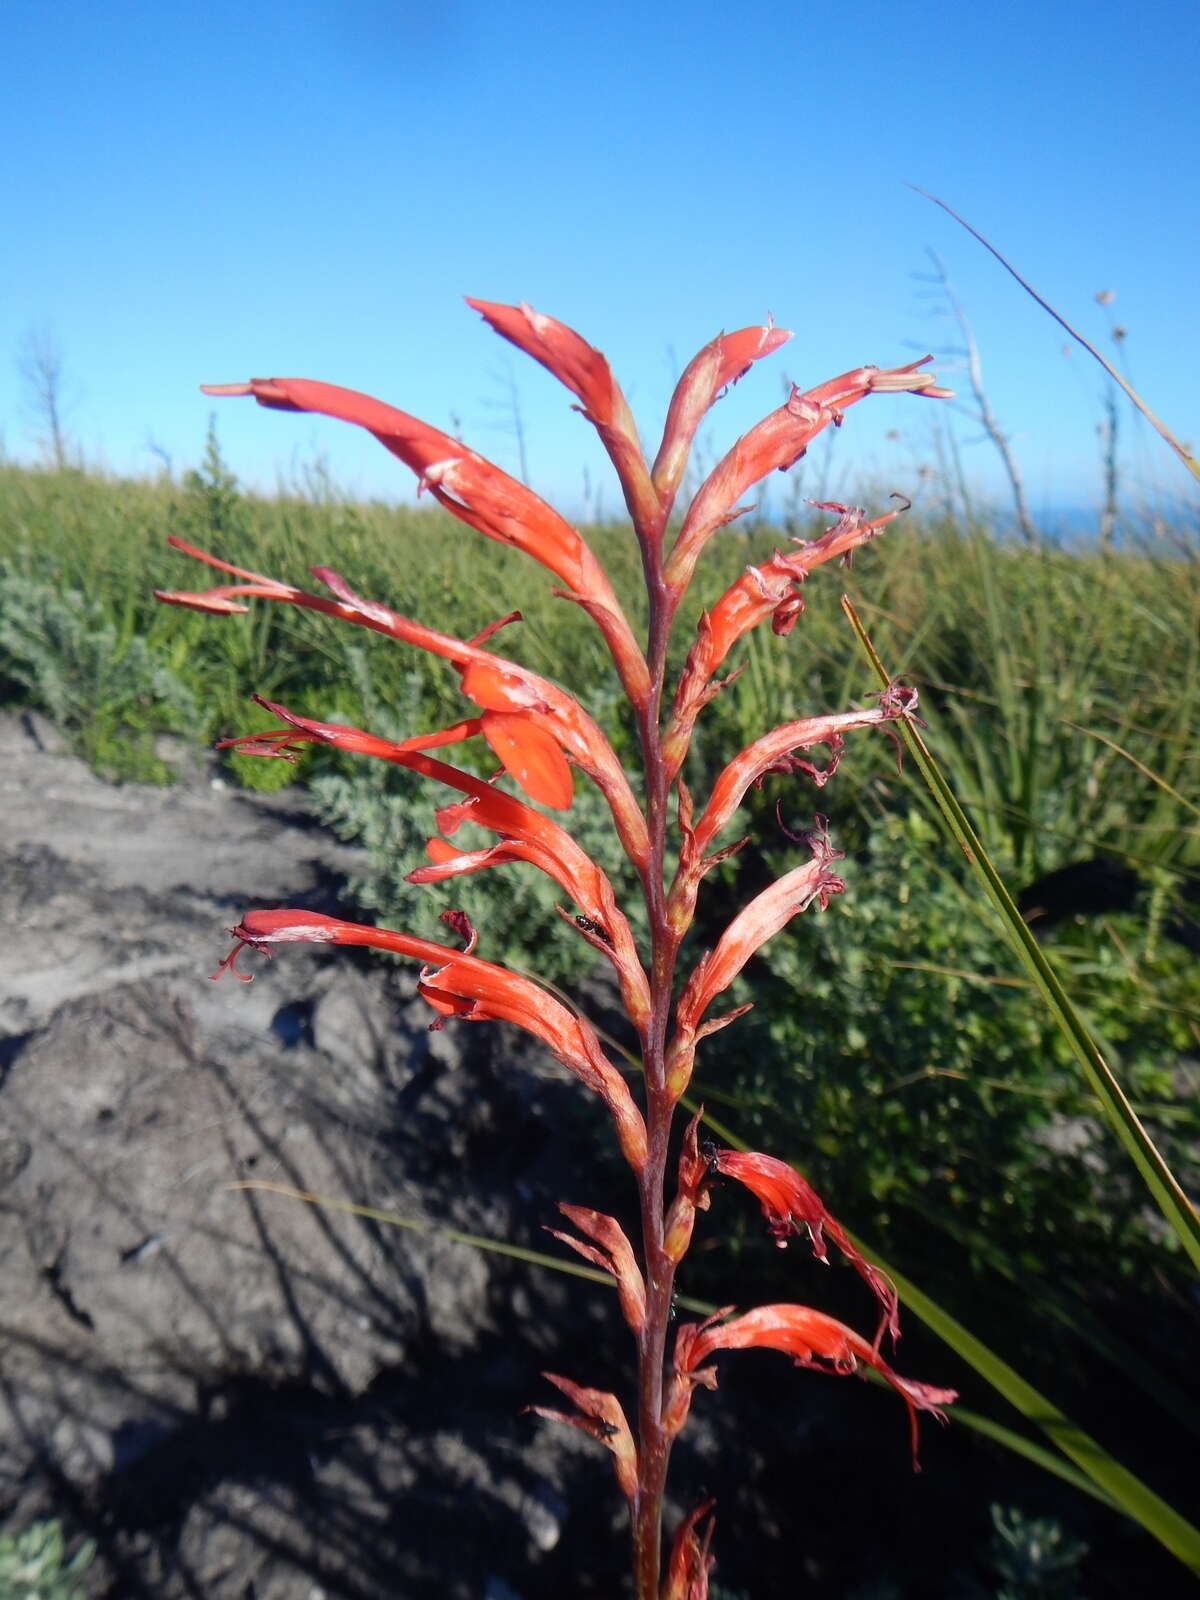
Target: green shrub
{"x":101,"y":684}
{"x":33,"y":1564}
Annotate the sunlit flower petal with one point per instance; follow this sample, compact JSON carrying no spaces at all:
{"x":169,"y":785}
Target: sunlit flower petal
{"x":721,"y":362}
{"x":584,"y":370}
{"x":474,"y":490}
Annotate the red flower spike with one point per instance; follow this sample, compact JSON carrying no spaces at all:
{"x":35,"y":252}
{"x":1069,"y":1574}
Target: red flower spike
{"x":468,"y":987}
{"x":812,"y":1339}
{"x":707,"y":375}
{"x":778,"y":442}
{"x":526,"y":834}
{"x":587,"y":374}
{"x":690,"y":1562}
{"x":496,"y":683}
{"x":476,"y":492}
{"x":767,"y":590}
{"x":612,"y":1252}
{"x":601,"y":1417}
{"x":789,"y":1203}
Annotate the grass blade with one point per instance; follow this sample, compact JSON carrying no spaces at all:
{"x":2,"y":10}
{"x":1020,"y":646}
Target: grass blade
{"x":1160,"y":428}
{"x":1160,"y":1180}
{"x":1116,"y":1482}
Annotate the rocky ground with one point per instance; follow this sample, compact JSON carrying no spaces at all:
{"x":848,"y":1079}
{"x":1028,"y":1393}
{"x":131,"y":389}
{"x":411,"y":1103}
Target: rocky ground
{"x":241,"y":1396}
{"x":237,"y":1393}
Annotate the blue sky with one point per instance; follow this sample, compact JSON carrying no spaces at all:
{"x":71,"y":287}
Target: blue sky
{"x":202,"y":192}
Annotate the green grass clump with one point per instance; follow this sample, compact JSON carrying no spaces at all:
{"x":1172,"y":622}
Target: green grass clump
{"x":34,"y":1564}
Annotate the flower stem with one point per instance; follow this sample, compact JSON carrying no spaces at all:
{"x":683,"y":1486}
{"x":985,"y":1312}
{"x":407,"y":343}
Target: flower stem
{"x":654,"y":1445}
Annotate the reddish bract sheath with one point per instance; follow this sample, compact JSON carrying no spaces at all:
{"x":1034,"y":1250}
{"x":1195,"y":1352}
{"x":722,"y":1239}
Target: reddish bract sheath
{"x":690,"y":1562}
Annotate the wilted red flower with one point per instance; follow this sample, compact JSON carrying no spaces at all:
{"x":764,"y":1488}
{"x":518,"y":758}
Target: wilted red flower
{"x":778,"y":442}
{"x":774,"y":752}
{"x":812,"y":1339}
{"x":789,"y":1203}
{"x":770,"y":589}
{"x":759,"y":921}
{"x":600,"y":1416}
{"x":610,"y":1250}
{"x":690,"y":1563}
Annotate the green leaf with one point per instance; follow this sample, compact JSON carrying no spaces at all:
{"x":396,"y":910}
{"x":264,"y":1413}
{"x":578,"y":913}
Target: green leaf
{"x":1159,"y":1179}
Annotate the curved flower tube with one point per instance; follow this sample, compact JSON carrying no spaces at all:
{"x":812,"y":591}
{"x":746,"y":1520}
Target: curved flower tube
{"x":708,"y":374}
{"x":812,"y":1339}
{"x":463,"y":986}
{"x":778,"y":442}
{"x":773,"y":752}
{"x":600,"y":1415}
{"x":611,"y":1251}
{"x":494,"y":683}
{"x":475,"y":491}
{"x":770,"y":589}
{"x":789,"y":1203}
{"x":757,"y":922}
{"x":582,"y":368}
{"x":526,"y":834}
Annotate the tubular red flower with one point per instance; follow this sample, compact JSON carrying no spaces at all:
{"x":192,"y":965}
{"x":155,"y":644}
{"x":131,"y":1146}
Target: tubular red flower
{"x":475,"y":491}
{"x":612,"y":1252}
{"x":789,"y":1203}
{"x":778,"y":442}
{"x":584,"y":370}
{"x":526,"y":834}
{"x":720,"y":363}
{"x":463,"y":985}
{"x":812,"y":1339}
{"x":493,"y":682}
{"x":773,"y":752}
{"x":757,"y":922}
{"x":767,"y":590}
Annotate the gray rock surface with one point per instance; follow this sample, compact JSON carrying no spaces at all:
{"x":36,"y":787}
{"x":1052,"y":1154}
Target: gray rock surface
{"x":241,"y":1394}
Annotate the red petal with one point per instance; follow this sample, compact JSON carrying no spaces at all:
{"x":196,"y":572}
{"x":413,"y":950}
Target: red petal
{"x":531,"y":754}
